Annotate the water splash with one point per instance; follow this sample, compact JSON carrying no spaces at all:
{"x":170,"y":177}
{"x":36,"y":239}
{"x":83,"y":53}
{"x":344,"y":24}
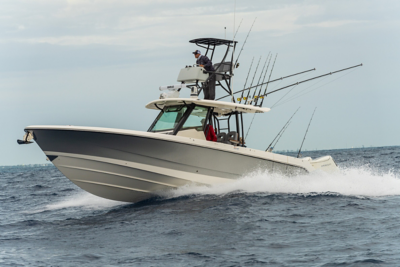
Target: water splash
{"x":355,"y":181}
{"x":350,"y":182}
{"x":84,"y":200}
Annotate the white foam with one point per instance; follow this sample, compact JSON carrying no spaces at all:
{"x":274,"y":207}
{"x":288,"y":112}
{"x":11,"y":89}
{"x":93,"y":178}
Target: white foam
{"x":360,"y":182}
{"x":84,"y":200}
{"x":350,"y":182}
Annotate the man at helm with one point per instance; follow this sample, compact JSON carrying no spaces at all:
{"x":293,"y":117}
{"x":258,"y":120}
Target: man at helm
{"x":205,"y":62}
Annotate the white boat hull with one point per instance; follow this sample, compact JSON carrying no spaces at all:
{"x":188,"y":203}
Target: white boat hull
{"x":132,"y":166}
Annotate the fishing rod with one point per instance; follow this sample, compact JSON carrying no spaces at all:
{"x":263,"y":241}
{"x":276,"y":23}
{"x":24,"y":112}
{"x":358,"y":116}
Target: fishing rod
{"x":248,"y":74}
{"x":259,"y":79}
{"x":330,"y":73}
{"x":274,"y":145}
{"x":245,"y":40}
{"x":283,"y":96}
{"x":282,"y":129}
{"x":248,"y":130}
{"x":265,"y":75}
{"x":254,"y":115}
{"x":233,"y":53}
{"x":241,"y":97}
{"x":268,"y":82}
{"x":266,"y":87}
{"x":248,"y":93}
{"x":238,"y":29}
{"x":302,"y":93}
{"x":298,"y":155}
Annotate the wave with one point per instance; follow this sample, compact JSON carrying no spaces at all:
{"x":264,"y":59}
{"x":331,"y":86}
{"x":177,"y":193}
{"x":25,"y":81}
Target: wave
{"x":362,"y":182}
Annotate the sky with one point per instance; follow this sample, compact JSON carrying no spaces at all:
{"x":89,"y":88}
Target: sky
{"x":98,"y":63}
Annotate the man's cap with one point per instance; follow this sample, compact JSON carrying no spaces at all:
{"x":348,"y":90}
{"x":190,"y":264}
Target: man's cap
{"x":197,"y":52}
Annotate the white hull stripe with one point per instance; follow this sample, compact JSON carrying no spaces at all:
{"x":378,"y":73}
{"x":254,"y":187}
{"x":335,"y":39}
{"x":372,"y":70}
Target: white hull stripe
{"x":117,"y":174}
{"x":187,"y":176}
{"x":112,"y":185}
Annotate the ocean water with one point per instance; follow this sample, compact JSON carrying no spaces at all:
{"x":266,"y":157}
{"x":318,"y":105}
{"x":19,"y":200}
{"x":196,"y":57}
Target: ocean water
{"x":351,"y":218}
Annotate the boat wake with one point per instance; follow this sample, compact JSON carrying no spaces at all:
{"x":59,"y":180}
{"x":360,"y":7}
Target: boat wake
{"x":360,"y":182}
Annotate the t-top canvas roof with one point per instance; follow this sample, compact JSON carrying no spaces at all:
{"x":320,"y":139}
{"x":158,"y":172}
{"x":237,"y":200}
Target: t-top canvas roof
{"x":219,"y":106}
{"x":211,"y":41}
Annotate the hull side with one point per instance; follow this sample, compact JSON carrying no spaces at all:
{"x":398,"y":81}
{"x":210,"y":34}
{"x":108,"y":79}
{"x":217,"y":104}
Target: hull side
{"x":132,"y":168}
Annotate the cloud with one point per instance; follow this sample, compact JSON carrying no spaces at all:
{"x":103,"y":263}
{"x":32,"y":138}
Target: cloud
{"x":151,"y":24}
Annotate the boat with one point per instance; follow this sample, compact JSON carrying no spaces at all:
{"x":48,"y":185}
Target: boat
{"x":191,"y":140}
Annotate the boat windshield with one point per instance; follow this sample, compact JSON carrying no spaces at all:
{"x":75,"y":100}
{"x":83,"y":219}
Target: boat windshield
{"x":172,"y":115}
{"x":169,"y":118}
{"x":196,"y":119}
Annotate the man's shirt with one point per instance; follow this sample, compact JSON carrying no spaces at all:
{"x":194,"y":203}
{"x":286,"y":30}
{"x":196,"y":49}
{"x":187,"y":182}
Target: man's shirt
{"x":203,"y":60}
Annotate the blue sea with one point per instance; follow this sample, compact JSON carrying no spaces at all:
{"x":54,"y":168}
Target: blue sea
{"x":350,"y":218}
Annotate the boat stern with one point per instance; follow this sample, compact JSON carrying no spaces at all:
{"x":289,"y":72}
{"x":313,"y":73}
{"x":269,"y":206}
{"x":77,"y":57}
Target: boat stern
{"x":325,"y":163}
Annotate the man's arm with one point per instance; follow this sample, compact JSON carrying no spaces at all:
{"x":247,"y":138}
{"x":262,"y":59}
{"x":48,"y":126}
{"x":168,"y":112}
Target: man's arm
{"x":206,"y":62}
{"x":200,"y":61}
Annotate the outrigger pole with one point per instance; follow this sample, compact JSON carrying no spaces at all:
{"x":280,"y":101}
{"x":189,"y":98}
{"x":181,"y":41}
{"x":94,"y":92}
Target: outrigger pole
{"x":330,"y":73}
{"x":282,"y":129}
{"x":267,"y":82}
{"x":298,"y":155}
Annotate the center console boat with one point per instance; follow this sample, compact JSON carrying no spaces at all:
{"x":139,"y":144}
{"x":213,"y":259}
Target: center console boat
{"x":190,"y":141}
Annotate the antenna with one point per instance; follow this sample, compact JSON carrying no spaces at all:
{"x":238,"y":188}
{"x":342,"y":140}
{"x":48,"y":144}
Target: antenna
{"x":298,"y":155}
